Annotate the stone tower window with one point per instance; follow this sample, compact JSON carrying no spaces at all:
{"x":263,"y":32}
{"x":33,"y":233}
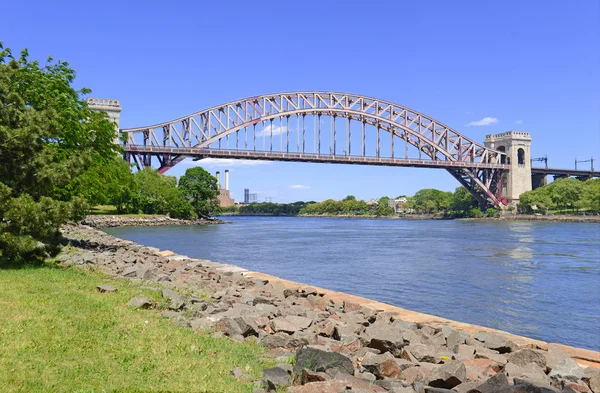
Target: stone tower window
{"x":521,"y":156}
{"x":502,"y":157}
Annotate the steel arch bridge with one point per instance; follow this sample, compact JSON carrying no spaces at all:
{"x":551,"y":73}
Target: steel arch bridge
{"x":373,"y":132}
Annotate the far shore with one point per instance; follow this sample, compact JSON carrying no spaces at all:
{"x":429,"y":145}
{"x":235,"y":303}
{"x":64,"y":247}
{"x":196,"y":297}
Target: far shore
{"x":505,"y":217}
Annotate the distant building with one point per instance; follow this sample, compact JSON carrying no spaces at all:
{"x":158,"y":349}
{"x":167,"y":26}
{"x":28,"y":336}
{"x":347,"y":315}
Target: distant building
{"x":397,"y":204}
{"x":223,"y":196}
{"x":372,"y":202}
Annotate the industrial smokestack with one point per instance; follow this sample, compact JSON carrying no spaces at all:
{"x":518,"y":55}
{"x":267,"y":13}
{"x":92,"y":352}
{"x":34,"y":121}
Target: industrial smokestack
{"x":227,"y":179}
{"x":218,"y":176}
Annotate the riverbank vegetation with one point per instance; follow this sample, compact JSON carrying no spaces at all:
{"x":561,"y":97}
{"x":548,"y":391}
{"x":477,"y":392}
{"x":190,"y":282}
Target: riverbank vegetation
{"x":563,"y":196}
{"x":429,"y":201}
{"x":59,"y":158}
{"x":58,"y":333}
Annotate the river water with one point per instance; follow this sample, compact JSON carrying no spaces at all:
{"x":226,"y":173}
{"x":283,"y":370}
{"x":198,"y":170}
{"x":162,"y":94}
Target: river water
{"x":540,"y":280}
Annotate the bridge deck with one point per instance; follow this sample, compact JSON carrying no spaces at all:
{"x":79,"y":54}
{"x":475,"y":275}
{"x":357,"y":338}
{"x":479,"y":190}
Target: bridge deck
{"x":565,"y":172}
{"x":200,"y":153}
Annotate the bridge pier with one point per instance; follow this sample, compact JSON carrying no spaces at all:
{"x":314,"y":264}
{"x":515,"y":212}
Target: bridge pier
{"x":517,"y":146}
{"x":538,"y":180}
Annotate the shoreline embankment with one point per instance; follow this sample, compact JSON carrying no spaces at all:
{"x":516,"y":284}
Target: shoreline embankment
{"x":112,"y":221}
{"x":384,"y":346}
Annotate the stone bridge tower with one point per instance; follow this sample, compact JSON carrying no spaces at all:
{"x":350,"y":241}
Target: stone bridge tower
{"x":112,"y":108}
{"x":517,"y":146}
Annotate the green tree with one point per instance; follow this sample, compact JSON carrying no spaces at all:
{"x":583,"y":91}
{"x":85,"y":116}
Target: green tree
{"x":383,"y":207}
{"x":48,"y":137}
{"x":430,"y":200}
{"x":200,"y":187}
{"x":566,"y":192}
{"x":463,"y":202}
{"x":108,"y":183}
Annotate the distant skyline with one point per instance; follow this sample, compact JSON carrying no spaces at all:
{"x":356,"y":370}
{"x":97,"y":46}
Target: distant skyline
{"x":479,"y":67}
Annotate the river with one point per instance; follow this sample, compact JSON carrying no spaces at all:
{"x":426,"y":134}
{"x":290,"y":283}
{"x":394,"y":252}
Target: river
{"x":540,"y":280}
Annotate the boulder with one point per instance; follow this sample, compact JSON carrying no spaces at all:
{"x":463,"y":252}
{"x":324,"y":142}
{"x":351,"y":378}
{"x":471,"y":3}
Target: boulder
{"x":495,"y":384}
{"x":277,"y":340}
{"x":594,"y":383}
{"x":351,"y":306}
{"x":530,"y":371}
{"x":139,"y":302}
{"x":237,"y":326}
{"x":371,"y":362}
{"x":176,"y":301}
{"x":522,"y":357}
{"x":385,"y":338}
{"x":308,"y":376}
{"x":276,"y":378}
{"x":301,"y":322}
{"x":496,"y":342}
{"x":424,"y":353}
{"x":567,"y":369}
{"x":283,"y":325}
{"x":448,"y":375}
{"x":322,"y":361}
{"x":106,"y":288}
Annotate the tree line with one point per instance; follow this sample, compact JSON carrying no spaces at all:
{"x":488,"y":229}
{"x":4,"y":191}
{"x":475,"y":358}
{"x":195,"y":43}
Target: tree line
{"x":459,"y":203}
{"x":562,"y":195}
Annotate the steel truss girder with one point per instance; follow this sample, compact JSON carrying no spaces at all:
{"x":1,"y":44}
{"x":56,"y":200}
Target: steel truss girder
{"x":432,"y":138}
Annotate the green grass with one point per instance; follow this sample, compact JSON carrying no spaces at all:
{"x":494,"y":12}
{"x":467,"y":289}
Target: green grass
{"x":109,"y":210}
{"x":59,"y":334}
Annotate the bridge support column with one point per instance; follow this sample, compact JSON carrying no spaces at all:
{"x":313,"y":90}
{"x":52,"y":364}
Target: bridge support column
{"x":517,"y":146}
{"x":538,"y":180}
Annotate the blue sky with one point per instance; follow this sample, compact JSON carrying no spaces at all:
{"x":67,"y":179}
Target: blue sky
{"x":530,"y":65}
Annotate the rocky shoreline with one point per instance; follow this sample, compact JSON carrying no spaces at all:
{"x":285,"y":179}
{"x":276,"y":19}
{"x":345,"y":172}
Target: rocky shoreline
{"x":143,"y":221}
{"x":339,"y":344}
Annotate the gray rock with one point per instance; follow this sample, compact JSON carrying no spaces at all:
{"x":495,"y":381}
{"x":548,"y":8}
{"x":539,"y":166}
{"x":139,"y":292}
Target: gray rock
{"x":448,"y":375}
{"x":129,"y":272}
{"x":522,"y":357}
{"x":567,"y":369}
{"x":277,"y":340}
{"x":594,"y":382}
{"x":106,"y":288}
{"x":176,"y":300}
{"x":283,"y":325}
{"x":139,"y":302}
{"x":322,"y":361}
{"x":201,"y":324}
{"x":429,"y":389}
{"x":493,"y":384}
{"x":530,"y":371}
{"x":275,"y":378}
{"x":536,"y":386}
{"x":424,"y":353}
{"x":237,"y":326}
{"x":497,"y":343}
{"x":385,"y":338}
{"x":301,"y":322}
{"x":371,"y":361}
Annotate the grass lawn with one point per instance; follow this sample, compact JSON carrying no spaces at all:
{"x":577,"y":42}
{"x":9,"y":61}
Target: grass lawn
{"x":59,"y":334}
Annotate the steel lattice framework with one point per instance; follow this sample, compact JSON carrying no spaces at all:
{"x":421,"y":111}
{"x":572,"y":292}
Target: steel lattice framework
{"x":250,"y":125}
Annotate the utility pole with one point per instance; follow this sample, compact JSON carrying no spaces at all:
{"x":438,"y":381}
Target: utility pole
{"x":591,"y":161}
{"x":545,"y":160}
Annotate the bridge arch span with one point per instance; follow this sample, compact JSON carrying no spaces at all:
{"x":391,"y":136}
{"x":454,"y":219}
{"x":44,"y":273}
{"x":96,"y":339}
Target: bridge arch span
{"x":210,"y":133}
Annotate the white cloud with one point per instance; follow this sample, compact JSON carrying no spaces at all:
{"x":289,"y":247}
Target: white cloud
{"x":486,"y":121}
{"x":277,"y":130}
{"x":299,"y":187}
{"x":224,"y":162}
{"x":518,"y":121}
